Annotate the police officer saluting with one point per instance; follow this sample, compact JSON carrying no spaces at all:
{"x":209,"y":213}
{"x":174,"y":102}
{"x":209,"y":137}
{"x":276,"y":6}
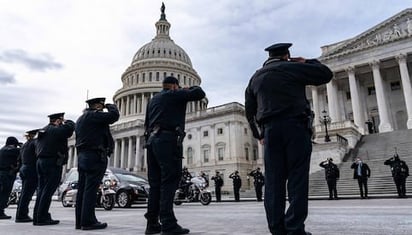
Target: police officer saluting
{"x":218,"y":185}
{"x":400,"y":171}
{"x":94,"y":144}
{"x":51,"y":150}
{"x":8,"y":169}
{"x":165,"y":124}
{"x":237,"y":184}
{"x":28,"y":175}
{"x":275,"y":99}
{"x":331,"y":176}
{"x":258,"y":181}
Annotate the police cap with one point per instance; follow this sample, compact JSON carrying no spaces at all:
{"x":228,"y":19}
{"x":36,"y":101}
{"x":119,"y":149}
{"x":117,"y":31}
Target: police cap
{"x":170,"y":80}
{"x":278,"y":49}
{"x":99,"y":100}
{"x":56,"y":116}
{"x":11,"y":140}
{"x":32,"y":132}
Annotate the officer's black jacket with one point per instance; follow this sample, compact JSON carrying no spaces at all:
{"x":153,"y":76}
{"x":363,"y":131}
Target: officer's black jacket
{"x":237,"y":181}
{"x":258,"y":177}
{"x":167,"y":108}
{"x":93,"y":131}
{"x":398,"y":167}
{"x":277,"y":90}
{"x":8,"y":157}
{"x":28,"y":152}
{"x":331,"y":170}
{"x":52,"y":140}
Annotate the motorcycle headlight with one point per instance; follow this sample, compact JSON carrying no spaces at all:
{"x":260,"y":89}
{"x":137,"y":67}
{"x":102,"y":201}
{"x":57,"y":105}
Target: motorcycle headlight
{"x":107,"y":183}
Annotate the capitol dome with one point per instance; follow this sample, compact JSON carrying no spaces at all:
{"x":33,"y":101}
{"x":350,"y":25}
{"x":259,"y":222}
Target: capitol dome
{"x":151,"y":63}
{"x":161,"y":48}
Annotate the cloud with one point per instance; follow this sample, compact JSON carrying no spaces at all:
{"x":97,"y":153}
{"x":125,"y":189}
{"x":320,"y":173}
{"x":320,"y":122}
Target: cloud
{"x":40,"y":62}
{"x":6,"y":78}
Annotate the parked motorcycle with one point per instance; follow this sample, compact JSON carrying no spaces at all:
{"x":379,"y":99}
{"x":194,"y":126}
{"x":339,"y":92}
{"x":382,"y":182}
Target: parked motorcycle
{"x":196,"y":192}
{"x":105,"y":196}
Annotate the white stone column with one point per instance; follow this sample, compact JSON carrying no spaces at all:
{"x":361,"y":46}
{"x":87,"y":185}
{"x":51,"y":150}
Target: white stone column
{"x":315,"y":100}
{"x":384,"y":125}
{"x":130,"y":154}
{"x":122,"y":153}
{"x":355,"y":100}
{"x":212,"y":157}
{"x":144,"y":103}
{"x":116,"y":154}
{"x":407,"y":88}
{"x":75,"y":159}
{"x":128,"y":105}
{"x":137,"y":161}
{"x":333,"y":102}
{"x":70,"y":159}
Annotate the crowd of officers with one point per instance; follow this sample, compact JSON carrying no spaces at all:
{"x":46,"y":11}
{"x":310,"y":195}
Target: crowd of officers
{"x":258,"y":182}
{"x":362,"y":172}
{"x":40,"y":161}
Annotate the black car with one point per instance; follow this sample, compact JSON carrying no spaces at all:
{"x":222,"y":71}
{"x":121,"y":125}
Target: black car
{"x":130,"y":188}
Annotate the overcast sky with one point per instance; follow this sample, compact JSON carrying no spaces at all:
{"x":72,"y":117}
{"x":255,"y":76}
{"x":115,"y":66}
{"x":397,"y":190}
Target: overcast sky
{"x":53,"y":52}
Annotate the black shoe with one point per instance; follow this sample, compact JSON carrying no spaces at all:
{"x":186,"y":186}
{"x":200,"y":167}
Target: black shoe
{"x":177,"y":230}
{"x":153,"y":228}
{"x":308,"y":233}
{"x":4,"y":216}
{"x":24,"y":219}
{"x":47,"y":222}
{"x":97,"y":225}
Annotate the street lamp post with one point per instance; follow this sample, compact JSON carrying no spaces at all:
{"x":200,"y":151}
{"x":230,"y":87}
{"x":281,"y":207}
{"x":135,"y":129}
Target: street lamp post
{"x":326,"y":120}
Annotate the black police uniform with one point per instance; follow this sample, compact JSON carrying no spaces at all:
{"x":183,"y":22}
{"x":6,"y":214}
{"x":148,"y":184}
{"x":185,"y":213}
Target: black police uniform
{"x":362,"y":177}
{"x":51,"y":150}
{"x":275,"y":99}
{"x":28,"y":175}
{"x":237,"y":184}
{"x":185,"y":181}
{"x":331,"y":176}
{"x":94,"y":143}
{"x":400,"y":171}
{"x":164,"y":115}
{"x":258,"y":182}
{"x":8,"y":169}
{"x":218,"y":186}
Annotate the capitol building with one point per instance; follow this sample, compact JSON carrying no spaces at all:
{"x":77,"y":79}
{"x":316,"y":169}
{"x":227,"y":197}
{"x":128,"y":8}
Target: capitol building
{"x":370,"y":92}
{"x":217,"y":138}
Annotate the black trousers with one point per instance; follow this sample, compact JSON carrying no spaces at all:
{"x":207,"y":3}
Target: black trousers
{"x":91,"y":167}
{"x":287,"y":151}
{"x":236,"y":192}
{"x":28,"y":175}
{"x":400,"y":185}
{"x":49,"y":176}
{"x":164,"y":166}
{"x":363,"y":186}
{"x":218,"y":193}
{"x":6,"y":185}
{"x":333,"y":192}
{"x":258,"y":190}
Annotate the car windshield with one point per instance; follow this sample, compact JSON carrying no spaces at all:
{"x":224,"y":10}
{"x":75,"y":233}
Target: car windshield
{"x":130,"y":178}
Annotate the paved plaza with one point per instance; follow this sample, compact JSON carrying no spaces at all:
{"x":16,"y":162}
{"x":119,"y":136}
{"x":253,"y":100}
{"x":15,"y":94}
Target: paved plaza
{"x":346,"y":216}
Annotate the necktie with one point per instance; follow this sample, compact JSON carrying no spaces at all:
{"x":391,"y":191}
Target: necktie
{"x":359,"y":169}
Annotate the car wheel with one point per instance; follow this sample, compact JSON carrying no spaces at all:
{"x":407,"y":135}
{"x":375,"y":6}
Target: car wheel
{"x":124,"y":199}
{"x":64,"y":201}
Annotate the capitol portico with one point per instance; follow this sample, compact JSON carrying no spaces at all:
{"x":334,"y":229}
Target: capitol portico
{"x":372,"y":81}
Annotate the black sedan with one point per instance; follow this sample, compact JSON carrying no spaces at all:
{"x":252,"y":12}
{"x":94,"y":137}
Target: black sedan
{"x":130,"y":188}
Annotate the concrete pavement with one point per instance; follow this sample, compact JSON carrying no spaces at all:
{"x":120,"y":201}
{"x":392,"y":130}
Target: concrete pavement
{"x":340,"y":217}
